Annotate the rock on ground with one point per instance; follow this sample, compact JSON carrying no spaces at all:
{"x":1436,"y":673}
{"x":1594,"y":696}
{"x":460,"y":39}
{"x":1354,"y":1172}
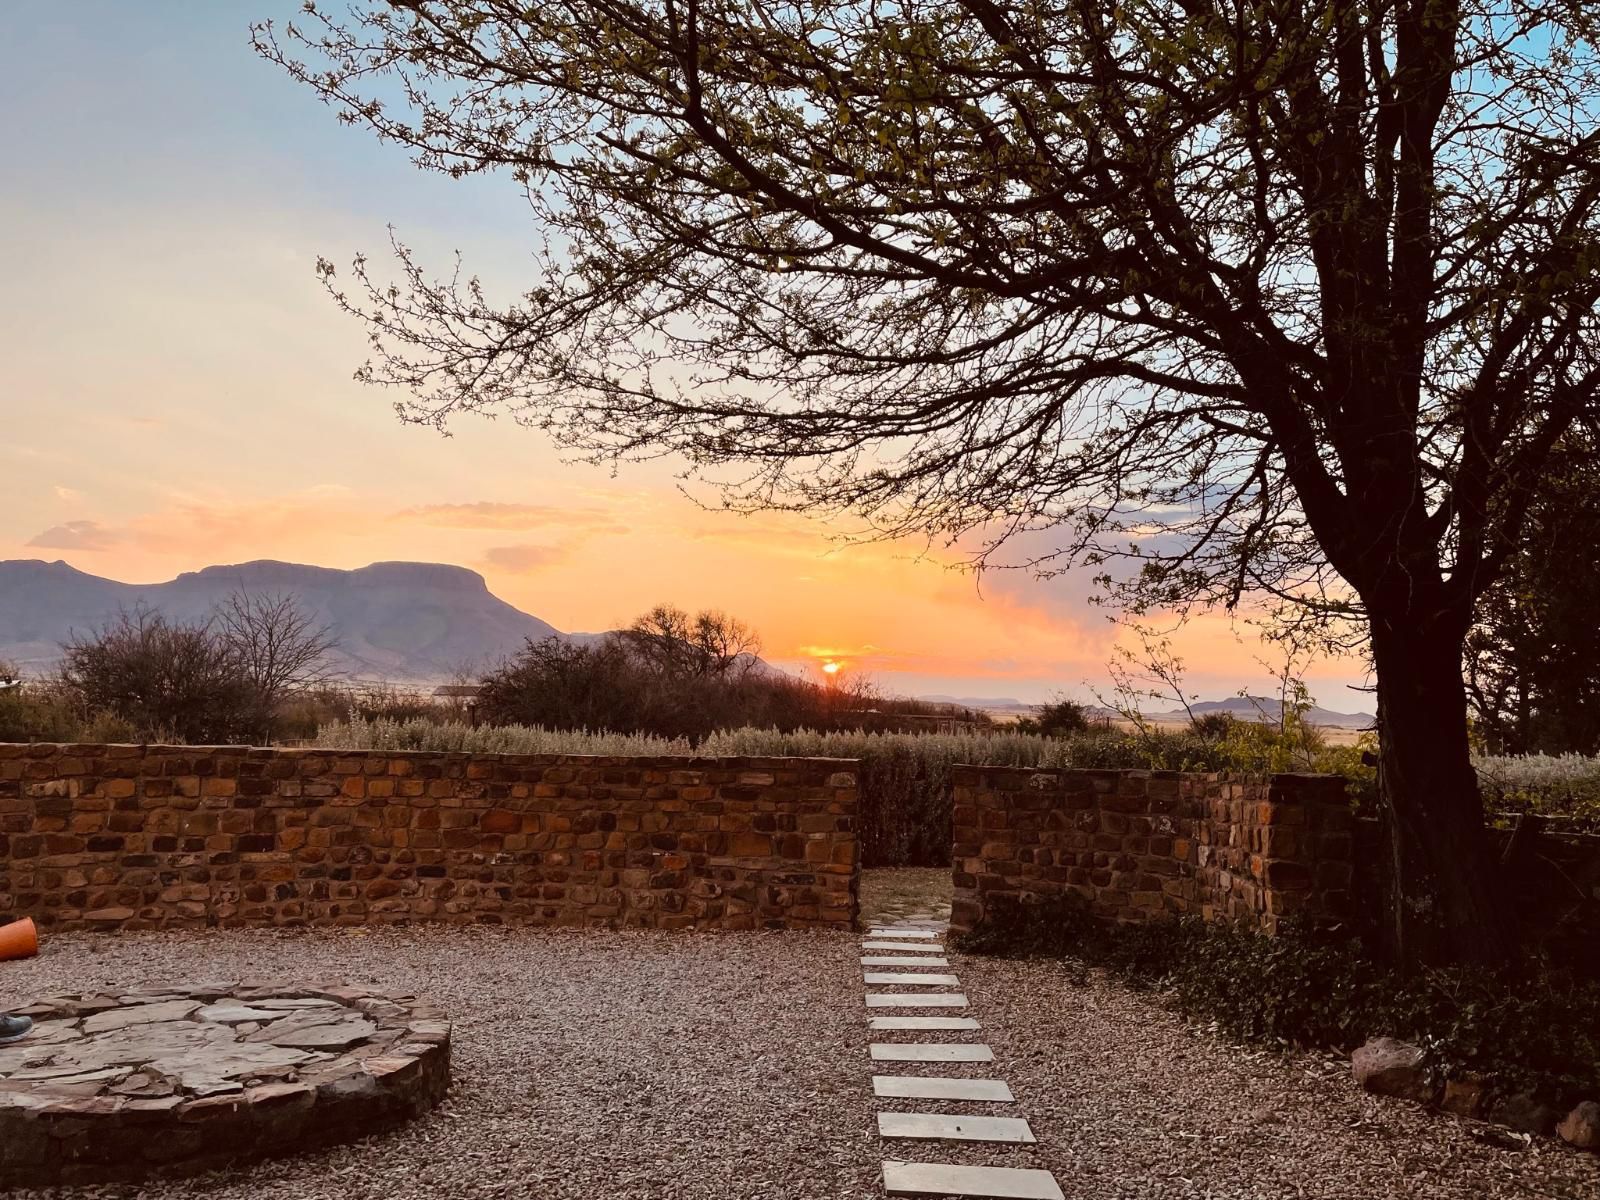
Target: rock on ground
{"x":1582,"y":1126}
{"x":1389,"y":1067}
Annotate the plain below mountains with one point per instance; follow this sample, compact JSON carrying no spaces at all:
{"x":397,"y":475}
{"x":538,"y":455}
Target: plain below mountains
{"x":407,"y":622}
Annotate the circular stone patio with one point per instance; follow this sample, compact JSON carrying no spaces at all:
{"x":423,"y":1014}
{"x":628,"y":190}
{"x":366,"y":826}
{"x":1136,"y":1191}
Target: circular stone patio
{"x":184,"y":1079}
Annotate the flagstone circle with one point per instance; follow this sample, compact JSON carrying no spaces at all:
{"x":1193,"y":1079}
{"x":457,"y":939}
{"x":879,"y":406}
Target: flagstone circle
{"x":171,"y":1081}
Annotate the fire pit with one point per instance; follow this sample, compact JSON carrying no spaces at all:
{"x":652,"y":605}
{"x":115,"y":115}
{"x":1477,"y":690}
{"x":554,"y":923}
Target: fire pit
{"x":194,"y":1077}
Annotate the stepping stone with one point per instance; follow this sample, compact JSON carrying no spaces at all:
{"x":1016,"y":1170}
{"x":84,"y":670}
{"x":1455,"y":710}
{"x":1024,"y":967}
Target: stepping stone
{"x":891,"y":978}
{"x":904,"y":933}
{"x":904,"y":960}
{"x":998,"y":1183}
{"x":954,"y":1129}
{"x":935,"y":1087}
{"x":892,"y":1000}
{"x":922,"y":1024}
{"x":923,"y":1052}
{"x":902,"y":946}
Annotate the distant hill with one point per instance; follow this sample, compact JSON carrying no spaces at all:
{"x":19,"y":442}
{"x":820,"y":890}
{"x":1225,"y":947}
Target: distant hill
{"x":1243,"y":708}
{"x":987,"y":703}
{"x":401,"y":621}
{"x":1265,"y":708}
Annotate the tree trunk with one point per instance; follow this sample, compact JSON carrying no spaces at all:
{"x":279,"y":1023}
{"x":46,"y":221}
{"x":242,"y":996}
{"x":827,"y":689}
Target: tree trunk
{"x":1441,"y":902}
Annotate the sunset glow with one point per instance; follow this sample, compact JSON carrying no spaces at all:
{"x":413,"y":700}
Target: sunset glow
{"x":211,"y":335}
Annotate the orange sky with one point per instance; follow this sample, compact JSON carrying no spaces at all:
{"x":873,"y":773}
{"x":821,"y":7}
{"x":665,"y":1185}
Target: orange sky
{"x":177,"y":389}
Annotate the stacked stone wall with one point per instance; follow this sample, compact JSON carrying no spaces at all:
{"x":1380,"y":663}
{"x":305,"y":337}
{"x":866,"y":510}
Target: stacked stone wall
{"x":1139,"y":846}
{"x":141,"y":837}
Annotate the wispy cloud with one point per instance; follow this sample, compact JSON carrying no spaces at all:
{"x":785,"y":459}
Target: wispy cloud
{"x":75,"y":535}
{"x":490,"y":514}
{"x":522,"y":560}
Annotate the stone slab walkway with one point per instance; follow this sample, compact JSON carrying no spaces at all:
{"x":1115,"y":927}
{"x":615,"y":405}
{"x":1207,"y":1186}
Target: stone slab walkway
{"x":919,"y":936}
{"x":937,"y":1179}
{"x":922,"y":1087}
{"x":924,"y":1024}
{"x":901,"y":1000}
{"x":929,"y":1052}
{"x":948,"y":1128}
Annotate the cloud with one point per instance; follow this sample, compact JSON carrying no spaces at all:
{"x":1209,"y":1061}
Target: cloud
{"x":521,"y":560}
{"x":489,"y":514}
{"x":66,"y":493}
{"x":76,"y":535}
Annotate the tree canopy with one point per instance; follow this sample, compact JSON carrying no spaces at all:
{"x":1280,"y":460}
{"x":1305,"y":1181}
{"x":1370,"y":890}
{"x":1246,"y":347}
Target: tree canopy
{"x":1206,"y":284}
{"x":1267,"y":297}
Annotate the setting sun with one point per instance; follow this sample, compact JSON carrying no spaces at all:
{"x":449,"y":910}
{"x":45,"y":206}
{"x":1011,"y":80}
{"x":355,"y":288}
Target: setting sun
{"x":830,"y":668}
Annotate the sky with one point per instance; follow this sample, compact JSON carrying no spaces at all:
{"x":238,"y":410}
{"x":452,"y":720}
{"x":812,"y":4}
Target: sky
{"x":178,"y":392}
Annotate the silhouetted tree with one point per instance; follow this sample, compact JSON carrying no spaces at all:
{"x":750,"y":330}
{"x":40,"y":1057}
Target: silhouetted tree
{"x":1060,"y":717}
{"x":561,"y":685}
{"x":1266,"y":297}
{"x":171,"y":680}
{"x":277,"y":647}
{"x":708,"y":644}
{"x":1533,"y":656}
{"x":667,"y":674}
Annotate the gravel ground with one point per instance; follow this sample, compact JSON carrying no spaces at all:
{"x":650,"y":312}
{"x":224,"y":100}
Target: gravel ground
{"x":676,"y":1066}
{"x":606,"y":1066}
{"x":895,"y":893}
{"x":1129,"y":1101}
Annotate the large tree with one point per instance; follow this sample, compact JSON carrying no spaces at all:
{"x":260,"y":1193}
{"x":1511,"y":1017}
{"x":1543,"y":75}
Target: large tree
{"x":1271,"y":297}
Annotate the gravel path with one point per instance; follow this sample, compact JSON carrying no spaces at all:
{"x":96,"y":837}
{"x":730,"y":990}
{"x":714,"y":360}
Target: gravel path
{"x":680,"y":1066}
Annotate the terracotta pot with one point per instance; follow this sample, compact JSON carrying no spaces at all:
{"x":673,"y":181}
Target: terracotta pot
{"x":19,"y":939}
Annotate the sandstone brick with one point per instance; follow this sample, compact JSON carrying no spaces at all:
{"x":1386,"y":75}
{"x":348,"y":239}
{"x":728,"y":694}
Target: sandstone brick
{"x":234,"y":836}
{"x":1148,"y":845}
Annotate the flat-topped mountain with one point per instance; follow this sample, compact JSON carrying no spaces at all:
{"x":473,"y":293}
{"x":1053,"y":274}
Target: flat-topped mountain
{"x":402,"y":621}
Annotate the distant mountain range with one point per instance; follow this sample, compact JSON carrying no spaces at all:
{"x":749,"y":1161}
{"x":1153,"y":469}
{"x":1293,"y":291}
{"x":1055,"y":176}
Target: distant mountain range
{"x":407,"y":622}
{"x":1265,"y":708}
{"x":1243,"y":708}
{"x":987,"y":703}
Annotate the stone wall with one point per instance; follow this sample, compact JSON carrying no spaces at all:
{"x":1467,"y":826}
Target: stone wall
{"x":141,"y":837}
{"x":1147,"y":845}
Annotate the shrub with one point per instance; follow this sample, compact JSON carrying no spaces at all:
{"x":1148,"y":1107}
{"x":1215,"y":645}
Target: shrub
{"x":458,"y":736}
{"x":1529,"y":1028}
{"x":221,"y":679}
{"x":1059,"y":718}
{"x":1564,"y":785}
{"x":35,"y":712}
